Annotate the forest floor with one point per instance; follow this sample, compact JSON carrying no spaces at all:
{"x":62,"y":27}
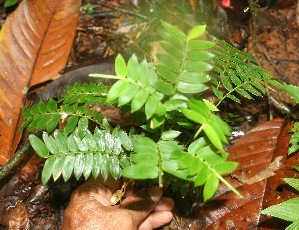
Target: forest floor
{"x":272,"y":37}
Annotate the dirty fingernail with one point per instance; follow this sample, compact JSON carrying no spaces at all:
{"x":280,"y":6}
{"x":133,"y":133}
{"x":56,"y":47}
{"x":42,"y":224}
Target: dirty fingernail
{"x":156,"y":193}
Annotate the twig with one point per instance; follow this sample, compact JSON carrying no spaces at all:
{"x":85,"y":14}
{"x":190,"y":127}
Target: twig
{"x":279,"y":105}
{"x":276,"y":69}
{"x":284,"y":60}
{"x":125,"y":11}
{"x":10,"y":165}
{"x":104,"y":14}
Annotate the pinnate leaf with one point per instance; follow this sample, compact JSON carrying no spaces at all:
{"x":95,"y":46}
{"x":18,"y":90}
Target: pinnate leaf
{"x":39,"y":146}
{"x":141,"y":171}
{"x":47,"y":170}
{"x":211,"y":186}
{"x":139,"y":100}
{"x":196,"y":32}
{"x":174,"y":31}
{"x":133,"y":68}
{"x":116,"y":90}
{"x":120,"y":66}
{"x":72,"y":122}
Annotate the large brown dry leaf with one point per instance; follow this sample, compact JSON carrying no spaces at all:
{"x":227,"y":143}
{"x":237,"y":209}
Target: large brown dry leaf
{"x":34,"y":46}
{"x":263,"y":162}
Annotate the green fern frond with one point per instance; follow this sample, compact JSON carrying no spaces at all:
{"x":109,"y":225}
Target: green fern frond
{"x":185,"y":60}
{"x":293,"y":91}
{"x":293,"y":226}
{"x":144,"y":159}
{"x":85,"y":93}
{"x":294,"y":142}
{"x":180,"y":73}
{"x":42,"y":116}
{"x":201,"y":164}
{"x":140,"y":87}
{"x":215,"y":128}
{"x":166,"y":95}
{"x":239,"y":73}
{"x":287,"y":210}
{"x":83,"y":153}
{"x":74,"y":105}
{"x":213,"y":166}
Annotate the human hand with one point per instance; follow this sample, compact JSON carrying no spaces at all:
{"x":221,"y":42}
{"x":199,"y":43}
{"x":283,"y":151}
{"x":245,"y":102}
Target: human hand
{"x":89,"y":208}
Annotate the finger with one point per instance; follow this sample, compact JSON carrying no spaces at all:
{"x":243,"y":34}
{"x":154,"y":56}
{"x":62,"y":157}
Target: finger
{"x":142,"y":203}
{"x":155,"y":220}
{"x":165,"y":204}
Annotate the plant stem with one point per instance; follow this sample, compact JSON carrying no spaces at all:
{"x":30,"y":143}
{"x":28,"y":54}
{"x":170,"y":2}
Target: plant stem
{"x":10,"y":165}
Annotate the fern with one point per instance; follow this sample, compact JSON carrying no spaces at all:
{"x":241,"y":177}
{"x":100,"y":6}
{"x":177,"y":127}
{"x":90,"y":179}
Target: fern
{"x":42,"y":116}
{"x":169,"y":95}
{"x":85,"y":94}
{"x":294,"y":142}
{"x":82,"y":152}
{"x":198,"y":164}
{"x":239,"y":74}
{"x":179,"y":75}
{"x":293,"y":91}
{"x":166,"y":92}
{"x":46,"y":116}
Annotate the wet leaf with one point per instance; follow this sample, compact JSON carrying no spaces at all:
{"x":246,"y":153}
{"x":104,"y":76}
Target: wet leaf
{"x":48,"y":169}
{"x":168,"y":135}
{"x":68,"y":167}
{"x":19,"y":217}
{"x":185,"y":87}
{"x":79,"y":165}
{"x":72,"y":122}
{"x":151,"y":106}
{"x":128,"y":94}
{"x":263,"y":163}
{"x":35,"y":42}
{"x":50,"y":143}
{"x":38,"y":146}
{"x":164,"y":87}
{"x":88,"y":163}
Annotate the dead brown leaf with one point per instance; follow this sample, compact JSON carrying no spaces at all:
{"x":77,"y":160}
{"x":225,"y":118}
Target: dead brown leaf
{"x":35,"y":42}
{"x":19,"y":218}
{"x":263,"y":162}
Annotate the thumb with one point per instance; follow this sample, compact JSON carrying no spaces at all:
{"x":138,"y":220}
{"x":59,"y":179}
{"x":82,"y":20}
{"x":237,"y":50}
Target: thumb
{"x":142,"y":203}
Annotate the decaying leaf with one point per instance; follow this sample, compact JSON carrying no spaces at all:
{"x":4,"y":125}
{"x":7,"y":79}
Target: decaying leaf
{"x":19,"y":218}
{"x":264,"y":174}
{"x":35,"y":42}
{"x":117,"y":196}
{"x":263,"y":162}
